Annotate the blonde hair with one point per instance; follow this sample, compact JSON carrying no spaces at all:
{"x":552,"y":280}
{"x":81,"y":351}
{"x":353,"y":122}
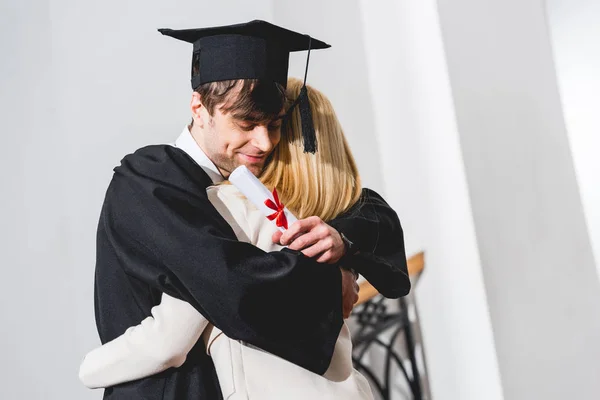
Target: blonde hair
{"x":324,"y":184}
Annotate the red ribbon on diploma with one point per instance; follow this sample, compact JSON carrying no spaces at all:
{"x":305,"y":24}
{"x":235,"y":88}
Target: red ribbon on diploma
{"x":278,"y":215}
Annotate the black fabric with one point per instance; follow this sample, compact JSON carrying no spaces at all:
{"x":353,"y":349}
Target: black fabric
{"x":309,"y":137}
{"x":229,"y":57}
{"x":252,"y":50}
{"x":159,"y":233}
{"x":373,"y":226}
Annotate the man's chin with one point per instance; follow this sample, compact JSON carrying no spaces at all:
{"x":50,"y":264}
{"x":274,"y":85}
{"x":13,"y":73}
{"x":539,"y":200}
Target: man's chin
{"x":255,"y":168}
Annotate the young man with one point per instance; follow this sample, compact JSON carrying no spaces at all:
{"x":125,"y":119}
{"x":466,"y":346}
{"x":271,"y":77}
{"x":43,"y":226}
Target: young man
{"x":159,"y":233}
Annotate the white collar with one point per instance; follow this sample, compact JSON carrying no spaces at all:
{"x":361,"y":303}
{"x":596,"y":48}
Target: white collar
{"x":186,"y":142}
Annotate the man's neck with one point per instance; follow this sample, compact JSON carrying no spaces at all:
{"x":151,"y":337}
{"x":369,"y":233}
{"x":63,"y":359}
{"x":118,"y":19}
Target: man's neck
{"x":197,"y":136}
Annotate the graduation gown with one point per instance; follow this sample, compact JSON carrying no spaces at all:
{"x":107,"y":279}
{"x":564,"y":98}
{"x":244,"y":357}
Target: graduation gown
{"x":159,"y":233}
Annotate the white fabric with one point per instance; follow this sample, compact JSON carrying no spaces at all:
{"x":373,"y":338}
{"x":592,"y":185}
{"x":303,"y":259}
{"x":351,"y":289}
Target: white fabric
{"x":246,"y":372}
{"x":160,"y":342}
{"x":186,"y":142}
{"x":163,"y":340}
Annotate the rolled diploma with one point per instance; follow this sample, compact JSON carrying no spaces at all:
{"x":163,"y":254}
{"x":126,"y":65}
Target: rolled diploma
{"x":257,"y":193}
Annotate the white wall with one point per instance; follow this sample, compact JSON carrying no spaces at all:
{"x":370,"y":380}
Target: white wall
{"x":575,"y":31}
{"x":425,"y":181}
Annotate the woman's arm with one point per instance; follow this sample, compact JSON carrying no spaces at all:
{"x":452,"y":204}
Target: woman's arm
{"x":160,"y":342}
{"x":373,"y":226}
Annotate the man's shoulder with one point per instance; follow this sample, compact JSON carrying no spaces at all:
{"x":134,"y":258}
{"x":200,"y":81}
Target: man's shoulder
{"x":162,"y":164}
{"x":151,"y":155}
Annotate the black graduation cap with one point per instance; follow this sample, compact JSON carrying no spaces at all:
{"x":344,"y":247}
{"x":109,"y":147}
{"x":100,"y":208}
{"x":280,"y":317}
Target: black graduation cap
{"x":253,"y":50}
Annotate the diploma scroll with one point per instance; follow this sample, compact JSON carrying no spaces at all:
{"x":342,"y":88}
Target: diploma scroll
{"x":259,"y":195}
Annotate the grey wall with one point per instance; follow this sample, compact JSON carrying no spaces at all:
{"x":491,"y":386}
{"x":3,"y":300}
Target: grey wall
{"x":34,"y":260}
{"x":542,"y":287}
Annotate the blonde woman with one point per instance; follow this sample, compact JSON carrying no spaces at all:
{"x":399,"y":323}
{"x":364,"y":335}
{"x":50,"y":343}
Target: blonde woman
{"x":325,"y":184}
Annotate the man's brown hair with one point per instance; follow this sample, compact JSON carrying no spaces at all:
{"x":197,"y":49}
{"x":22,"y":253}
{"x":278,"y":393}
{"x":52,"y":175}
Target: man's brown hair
{"x":246,"y":99}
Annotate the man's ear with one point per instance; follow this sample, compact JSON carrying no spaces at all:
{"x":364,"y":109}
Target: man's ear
{"x":199,"y":112}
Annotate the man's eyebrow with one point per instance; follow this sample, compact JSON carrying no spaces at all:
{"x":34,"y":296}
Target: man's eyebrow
{"x":248,"y":119}
{"x":245,"y":119}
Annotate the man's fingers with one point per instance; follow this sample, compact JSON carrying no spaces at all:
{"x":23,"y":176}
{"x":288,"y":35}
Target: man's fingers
{"x":348,"y":292}
{"x":315,"y":250}
{"x":326,"y":257}
{"x":277,"y":236}
{"x":314,"y":238}
{"x":297,"y":228}
{"x":348,"y":310}
{"x":304,"y":240}
{"x":355,"y":289}
{"x":317,"y":234}
{"x":320,"y":246}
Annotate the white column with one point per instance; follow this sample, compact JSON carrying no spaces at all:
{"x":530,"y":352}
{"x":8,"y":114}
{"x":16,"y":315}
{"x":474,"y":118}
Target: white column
{"x":425,"y":181}
{"x":575,"y":31}
{"x":542,"y":288}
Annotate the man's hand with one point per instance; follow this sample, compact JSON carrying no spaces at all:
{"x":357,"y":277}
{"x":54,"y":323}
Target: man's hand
{"x":349,"y":292}
{"x":314,"y":238}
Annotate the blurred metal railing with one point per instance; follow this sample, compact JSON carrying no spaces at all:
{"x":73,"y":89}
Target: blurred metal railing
{"x":386,"y":336}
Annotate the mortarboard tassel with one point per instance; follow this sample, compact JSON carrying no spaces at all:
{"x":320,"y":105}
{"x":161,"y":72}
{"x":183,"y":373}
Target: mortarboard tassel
{"x":308,"y":129}
{"x":309,"y":137}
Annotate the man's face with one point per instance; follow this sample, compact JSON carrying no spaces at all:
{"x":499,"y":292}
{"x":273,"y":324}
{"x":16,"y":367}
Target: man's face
{"x":230,"y":142}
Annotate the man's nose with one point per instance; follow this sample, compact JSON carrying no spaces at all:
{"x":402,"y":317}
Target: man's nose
{"x":262,"y":139}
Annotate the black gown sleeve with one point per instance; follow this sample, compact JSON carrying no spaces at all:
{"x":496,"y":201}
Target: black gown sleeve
{"x":165,"y":233}
{"x":373,"y":226}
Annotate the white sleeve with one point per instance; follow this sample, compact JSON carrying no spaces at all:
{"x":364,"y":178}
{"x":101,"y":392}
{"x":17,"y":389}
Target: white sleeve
{"x":160,"y":342}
